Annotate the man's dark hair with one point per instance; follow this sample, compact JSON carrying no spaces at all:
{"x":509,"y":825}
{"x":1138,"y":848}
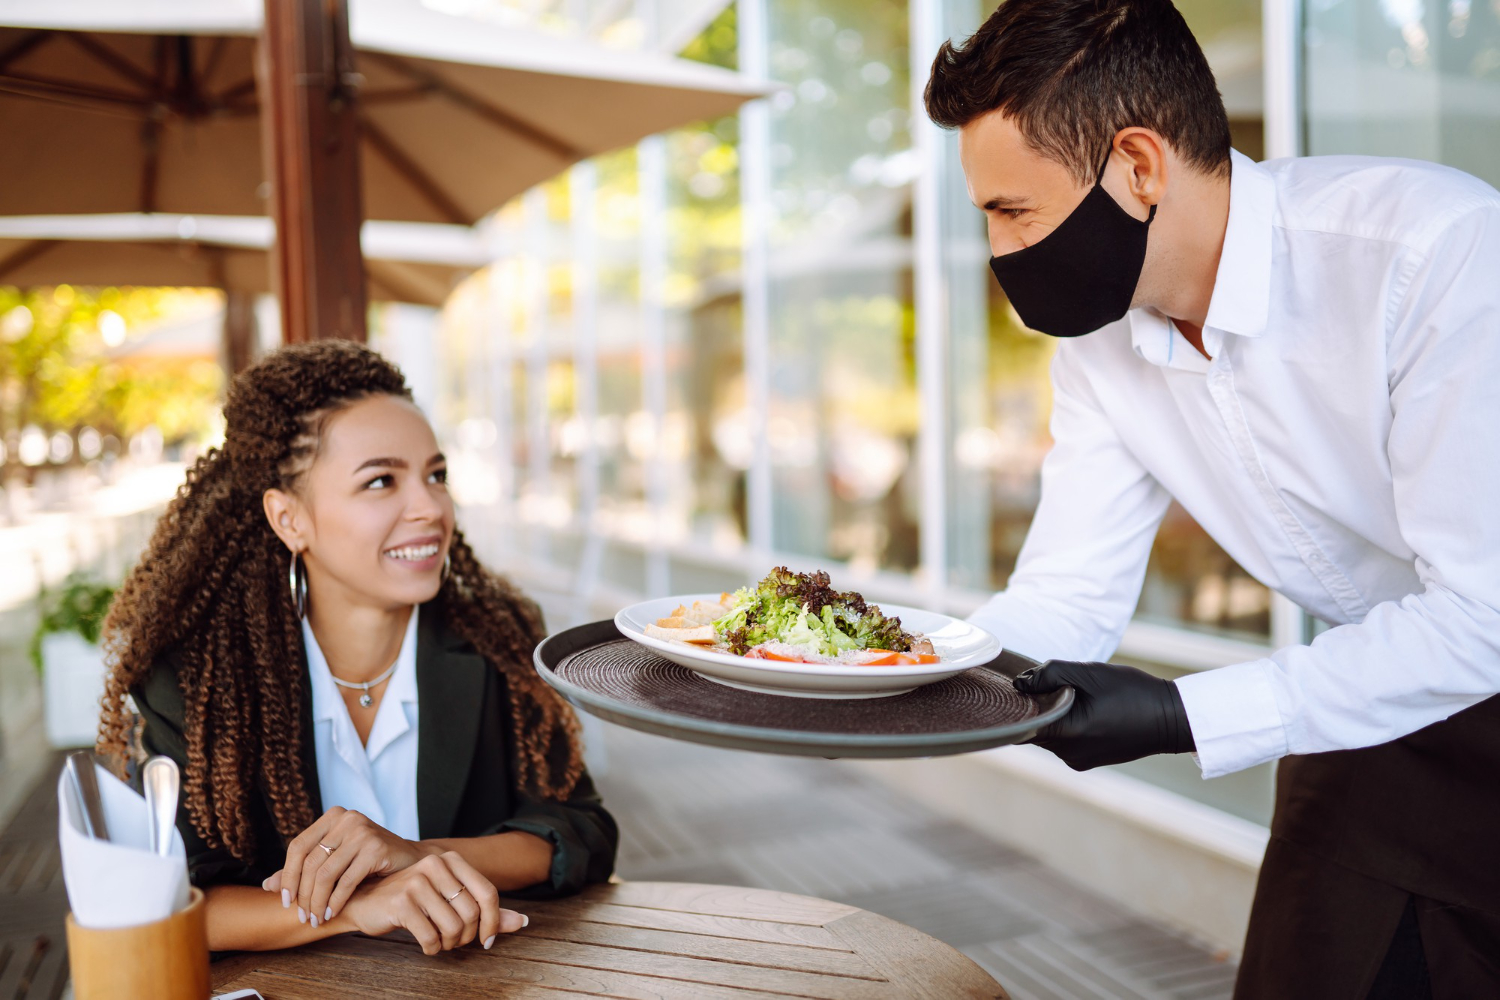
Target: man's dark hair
{"x":1072,"y":73}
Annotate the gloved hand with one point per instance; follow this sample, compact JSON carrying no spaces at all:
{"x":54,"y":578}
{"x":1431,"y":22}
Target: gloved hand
{"x":1118,"y":714}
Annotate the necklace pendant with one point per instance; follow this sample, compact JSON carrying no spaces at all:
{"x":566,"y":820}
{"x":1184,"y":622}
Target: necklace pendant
{"x":365,"y":701}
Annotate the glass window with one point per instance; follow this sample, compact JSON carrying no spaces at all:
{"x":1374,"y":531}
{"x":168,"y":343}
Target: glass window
{"x":1413,"y":78}
{"x":622,"y":431}
{"x":843,"y":412}
{"x":706,"y":436}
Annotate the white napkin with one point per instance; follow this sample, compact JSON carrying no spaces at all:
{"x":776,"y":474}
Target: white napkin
{"x":117,"y":882}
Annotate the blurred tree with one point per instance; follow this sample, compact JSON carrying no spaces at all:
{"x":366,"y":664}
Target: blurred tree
{"x":65,"y":364}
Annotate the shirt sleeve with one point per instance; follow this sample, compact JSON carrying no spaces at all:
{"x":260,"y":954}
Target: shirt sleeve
{"x":1417,"y":660}
{"x":1078,"y":577}
{"x":583,"y":836}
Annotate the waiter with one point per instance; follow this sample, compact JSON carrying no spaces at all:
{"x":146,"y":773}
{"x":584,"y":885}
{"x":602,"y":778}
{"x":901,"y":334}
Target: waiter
{"x":1306,"y":355}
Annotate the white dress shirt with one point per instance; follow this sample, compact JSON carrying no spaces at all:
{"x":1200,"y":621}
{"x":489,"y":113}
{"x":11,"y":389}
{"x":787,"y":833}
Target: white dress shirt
{"x":1343,"y":446}
{"x":377,"y":778}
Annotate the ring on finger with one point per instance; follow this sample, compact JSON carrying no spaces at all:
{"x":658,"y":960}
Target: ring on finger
{"x":460,"y":892}
{"x":327,"y":848}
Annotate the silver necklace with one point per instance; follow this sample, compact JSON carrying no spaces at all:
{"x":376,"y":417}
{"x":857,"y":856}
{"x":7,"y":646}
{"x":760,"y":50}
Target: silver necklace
{"x":365,"y":701}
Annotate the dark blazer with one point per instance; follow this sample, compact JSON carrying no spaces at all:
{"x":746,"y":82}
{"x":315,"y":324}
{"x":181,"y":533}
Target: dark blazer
{"x":465,"y":770}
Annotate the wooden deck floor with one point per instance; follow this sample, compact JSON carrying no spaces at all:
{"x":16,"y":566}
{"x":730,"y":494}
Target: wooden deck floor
{"x":807,"y":826}
{"x":33,"y":949}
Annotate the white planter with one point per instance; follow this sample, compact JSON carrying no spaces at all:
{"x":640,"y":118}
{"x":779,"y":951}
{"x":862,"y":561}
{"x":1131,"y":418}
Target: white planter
{"x":73,"y":687}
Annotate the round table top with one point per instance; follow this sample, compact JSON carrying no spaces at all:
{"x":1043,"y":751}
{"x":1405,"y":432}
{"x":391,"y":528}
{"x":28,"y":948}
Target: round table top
{"x":605,"y":674}
{"x":676,"y":941}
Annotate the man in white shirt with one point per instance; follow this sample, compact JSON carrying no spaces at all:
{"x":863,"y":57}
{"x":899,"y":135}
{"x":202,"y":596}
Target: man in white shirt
{"x":1306,"y":355}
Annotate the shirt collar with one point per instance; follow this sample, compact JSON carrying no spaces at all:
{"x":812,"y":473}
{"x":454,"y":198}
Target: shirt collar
{"x":1157,"y":340}
{"x":1241,"y":302}
{"x":326,"y":701}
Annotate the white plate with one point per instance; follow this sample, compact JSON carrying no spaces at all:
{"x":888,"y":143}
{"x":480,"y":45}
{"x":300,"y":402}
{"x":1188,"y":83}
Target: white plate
{"x":960,"y":644}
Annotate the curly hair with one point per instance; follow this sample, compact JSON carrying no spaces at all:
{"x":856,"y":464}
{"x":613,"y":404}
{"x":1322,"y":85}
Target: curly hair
{"x":211,"y":590}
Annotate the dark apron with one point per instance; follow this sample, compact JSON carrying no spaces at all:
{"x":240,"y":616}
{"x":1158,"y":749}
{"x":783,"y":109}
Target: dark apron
{"x":1358,"y":837}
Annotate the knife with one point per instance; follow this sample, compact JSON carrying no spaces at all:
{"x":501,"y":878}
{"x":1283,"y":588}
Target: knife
{"x":85,"y":783}
{"x":161,"y":782}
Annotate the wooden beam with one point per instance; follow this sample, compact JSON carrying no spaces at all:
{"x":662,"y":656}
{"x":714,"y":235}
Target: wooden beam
{"x":109,"y":57}
{"x":498,"y":117}
{"x":25,"y":45}
{"x":414,"y":175}
{"x":25,"y":255}
{"x":150,"y":163}
{"x":311,"y":126}
{"x":239,"y":313}
{"x":151,"y":128}
{"x":398,"y":289}
{"x":239,"y":331}
{"x":395,"y":95}
{"x":215,"y":56}
{"x":67,"y":92}
{"x":242,"y":89}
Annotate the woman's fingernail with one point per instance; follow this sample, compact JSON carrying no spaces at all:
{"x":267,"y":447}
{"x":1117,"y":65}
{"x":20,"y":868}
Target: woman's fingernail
{"x":286,"y":898}
{"x":266,"y":883}
{"x":525,"y":921}
{"x":315,"y":920}
{"x":301,"y":915}
{"x":328,"y":913}
{"x":489,"y":941}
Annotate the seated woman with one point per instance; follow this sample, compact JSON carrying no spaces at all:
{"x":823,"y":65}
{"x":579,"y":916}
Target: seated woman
{"x":364,"y":742}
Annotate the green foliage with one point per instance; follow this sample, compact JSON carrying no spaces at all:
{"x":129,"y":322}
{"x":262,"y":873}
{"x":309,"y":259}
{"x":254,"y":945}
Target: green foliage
{"x":59,"y":372}
{"x":717,"y":44}
{"x":78,"y":606}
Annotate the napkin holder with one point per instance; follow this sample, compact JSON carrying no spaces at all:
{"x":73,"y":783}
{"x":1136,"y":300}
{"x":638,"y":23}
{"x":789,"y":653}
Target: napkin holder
{"x":161,"y":960}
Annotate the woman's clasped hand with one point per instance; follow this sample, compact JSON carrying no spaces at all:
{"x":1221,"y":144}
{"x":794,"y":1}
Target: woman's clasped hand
{"x":375,"y":882}
{"x":329,"y":860}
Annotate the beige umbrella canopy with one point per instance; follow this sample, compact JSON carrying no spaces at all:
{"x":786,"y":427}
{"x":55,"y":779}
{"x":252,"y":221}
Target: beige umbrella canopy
{"x":456,"y":115}
{"x":404,"y":262}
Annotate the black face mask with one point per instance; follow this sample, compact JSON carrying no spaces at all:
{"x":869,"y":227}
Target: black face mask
{"x":1081,"y":275}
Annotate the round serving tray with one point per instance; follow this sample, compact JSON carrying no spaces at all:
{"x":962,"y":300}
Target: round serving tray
{"x":601,"y":672}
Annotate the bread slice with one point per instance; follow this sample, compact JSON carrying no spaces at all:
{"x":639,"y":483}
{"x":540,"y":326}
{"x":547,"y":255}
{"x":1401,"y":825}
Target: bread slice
{"x":703,"y":635}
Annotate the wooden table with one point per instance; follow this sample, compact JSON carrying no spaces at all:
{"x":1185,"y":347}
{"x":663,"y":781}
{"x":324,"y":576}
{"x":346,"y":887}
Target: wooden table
{"x":674,"y":941}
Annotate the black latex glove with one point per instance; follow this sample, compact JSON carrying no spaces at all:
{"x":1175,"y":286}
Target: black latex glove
{"x":1118,"y":714}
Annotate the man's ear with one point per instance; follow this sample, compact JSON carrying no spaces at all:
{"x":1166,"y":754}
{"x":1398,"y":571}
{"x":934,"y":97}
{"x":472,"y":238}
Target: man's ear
{"x":285,"y":514}
{"x":1146,"y":152}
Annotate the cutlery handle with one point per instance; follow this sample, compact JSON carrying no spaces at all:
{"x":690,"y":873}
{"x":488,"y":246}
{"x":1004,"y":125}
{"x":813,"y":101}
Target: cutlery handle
{"x":161,"y":782}
{"x":80,"y":767}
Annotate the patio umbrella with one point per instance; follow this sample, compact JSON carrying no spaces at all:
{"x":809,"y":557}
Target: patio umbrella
{"x":404,"y":262}
{"x":152,"y":106}
{"x":388,"y":110}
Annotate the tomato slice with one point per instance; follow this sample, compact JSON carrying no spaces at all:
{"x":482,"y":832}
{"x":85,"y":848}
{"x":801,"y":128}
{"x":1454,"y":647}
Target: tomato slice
{"x":897,"y":658}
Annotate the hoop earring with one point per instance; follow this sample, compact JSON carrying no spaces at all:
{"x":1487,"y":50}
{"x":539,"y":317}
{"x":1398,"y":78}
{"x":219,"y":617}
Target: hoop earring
{"x":297,"y":580}
{"x":447,"y":567}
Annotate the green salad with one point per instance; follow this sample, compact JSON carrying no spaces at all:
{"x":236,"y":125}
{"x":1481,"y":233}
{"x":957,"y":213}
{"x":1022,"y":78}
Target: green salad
{"x":803,"y":609}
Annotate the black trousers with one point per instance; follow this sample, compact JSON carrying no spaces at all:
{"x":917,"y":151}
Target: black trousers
{"x":1403,"y":972}
{"x":1382,"y":876}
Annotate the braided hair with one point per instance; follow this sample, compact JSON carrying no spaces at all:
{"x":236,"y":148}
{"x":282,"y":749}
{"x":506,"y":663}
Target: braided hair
{"x":212,"y":589}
